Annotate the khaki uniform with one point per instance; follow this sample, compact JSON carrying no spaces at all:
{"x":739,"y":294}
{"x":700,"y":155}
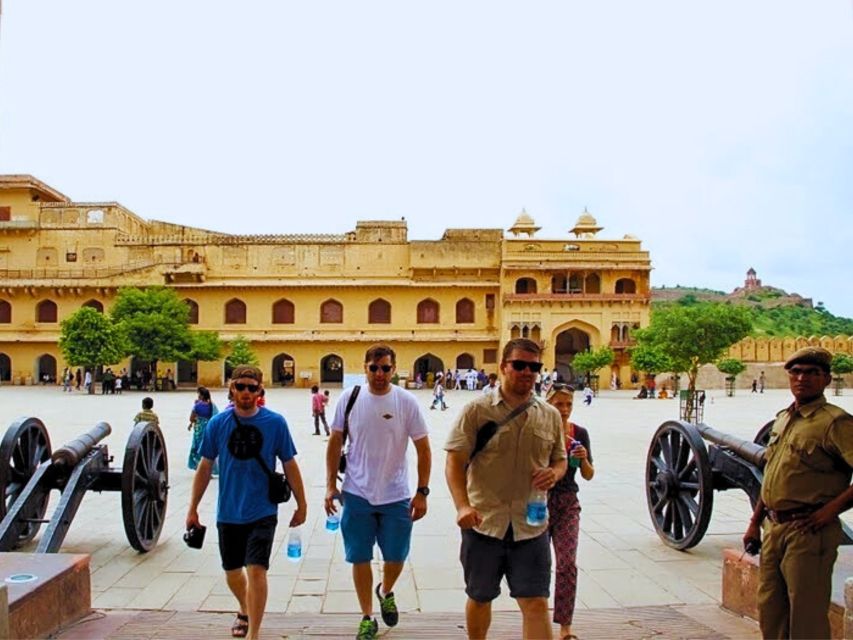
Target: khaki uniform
{"x":809,"y":462}
{"x":500,"y":475}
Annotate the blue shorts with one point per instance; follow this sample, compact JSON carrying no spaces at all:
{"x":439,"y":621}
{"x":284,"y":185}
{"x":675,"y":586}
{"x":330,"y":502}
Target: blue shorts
{"x":364,"y":524}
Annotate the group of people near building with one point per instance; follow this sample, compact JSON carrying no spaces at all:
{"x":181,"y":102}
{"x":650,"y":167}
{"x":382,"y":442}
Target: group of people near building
{"x":807,"y":485}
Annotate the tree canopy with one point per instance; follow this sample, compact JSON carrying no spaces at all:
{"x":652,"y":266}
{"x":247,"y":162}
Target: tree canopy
{"x":841,"y":364}
{"x":593,"y":361}
{"x":240,"y":353}
{"x":731,"y":366}
{"x":650,"y":359}
{"x":90,"y":339}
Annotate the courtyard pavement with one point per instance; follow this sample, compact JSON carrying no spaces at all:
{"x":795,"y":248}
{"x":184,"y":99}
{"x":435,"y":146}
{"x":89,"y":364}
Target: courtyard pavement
{"x":622,"y":563}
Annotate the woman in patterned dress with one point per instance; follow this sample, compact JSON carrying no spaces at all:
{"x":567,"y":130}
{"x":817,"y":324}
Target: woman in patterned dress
{"x":564,"y":509}
{"x":203,"y":410}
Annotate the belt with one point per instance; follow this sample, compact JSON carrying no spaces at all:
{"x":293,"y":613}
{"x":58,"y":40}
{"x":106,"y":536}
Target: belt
{"x":787,"y":515}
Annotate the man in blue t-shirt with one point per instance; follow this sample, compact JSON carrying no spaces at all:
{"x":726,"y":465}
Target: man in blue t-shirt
{"x":246,"y":518}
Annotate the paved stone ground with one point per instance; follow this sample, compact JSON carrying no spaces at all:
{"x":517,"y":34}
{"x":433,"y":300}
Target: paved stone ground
{"x":622,"y":563}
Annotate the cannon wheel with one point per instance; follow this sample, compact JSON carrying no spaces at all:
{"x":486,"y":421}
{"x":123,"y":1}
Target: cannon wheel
{"x":679,"y":485}
{"x":144,"y":486}
{"x":763,"y":435}
{"x":24,"y":447}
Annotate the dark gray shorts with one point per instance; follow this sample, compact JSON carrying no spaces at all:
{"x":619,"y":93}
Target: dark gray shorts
{"x":245,"y":544}
{"x":526,"y":565}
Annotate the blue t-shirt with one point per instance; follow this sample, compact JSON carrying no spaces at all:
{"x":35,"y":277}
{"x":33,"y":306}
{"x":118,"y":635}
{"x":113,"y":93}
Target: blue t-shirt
{"x":243,"y":484}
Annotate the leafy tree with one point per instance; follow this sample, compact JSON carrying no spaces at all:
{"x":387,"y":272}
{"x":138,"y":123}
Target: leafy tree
{"x":206,"y":345}
{"x":731,"y":366}
{"x":90,"y":339}
{"x":650,"y":359}
{"x":593,"y":361}
{"x":841,"y":364}
{"x":155,"y":323}
{"x":241,"y":353}
{"x":690,"y":336}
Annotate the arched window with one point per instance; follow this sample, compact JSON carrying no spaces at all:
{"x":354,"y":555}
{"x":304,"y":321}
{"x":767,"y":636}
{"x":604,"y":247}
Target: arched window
{"x":525,"y":285}
{"x":559,"y":284}
{"x":379,"y":312}
{"x":282,"y":312}
{"x":575,"y":283}
{"x":46,"y":311}
{"x":464,"y":361}
{"x":626,"y":285}
{"x":192,"y":305}
{"x":464,"y":311}
{"x":331,"y":312}
{"x":5,"y":312}
{"x":593,"y":283}
{"x":428,"y":311}
{"x":94,"y":304}
{"x":235,"y":311}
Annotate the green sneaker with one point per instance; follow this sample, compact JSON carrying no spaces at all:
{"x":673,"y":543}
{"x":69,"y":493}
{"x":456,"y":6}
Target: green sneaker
{"x":388,"y":607}
{"x":368,"y":629}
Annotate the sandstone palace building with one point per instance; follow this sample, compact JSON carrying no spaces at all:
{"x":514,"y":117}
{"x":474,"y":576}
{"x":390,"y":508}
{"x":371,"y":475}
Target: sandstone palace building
{"x":311,"y":304}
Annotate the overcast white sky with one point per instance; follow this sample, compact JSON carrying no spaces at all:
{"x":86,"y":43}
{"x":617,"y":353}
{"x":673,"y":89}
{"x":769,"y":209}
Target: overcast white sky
{"x":721,"y":134}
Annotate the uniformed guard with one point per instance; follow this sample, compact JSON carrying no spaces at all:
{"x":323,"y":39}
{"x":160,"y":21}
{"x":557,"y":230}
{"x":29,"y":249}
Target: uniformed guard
{"x":809,"y":462}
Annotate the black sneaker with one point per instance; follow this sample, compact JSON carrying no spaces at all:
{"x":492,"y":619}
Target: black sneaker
{"x":368,"y":629}
{"x":388,"y":607}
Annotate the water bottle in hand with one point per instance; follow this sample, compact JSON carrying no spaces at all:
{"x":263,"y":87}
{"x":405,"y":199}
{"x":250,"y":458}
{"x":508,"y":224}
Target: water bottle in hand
{"x":333,"y":520}
{"x":537,"y":508}
{"x":294,"y":545}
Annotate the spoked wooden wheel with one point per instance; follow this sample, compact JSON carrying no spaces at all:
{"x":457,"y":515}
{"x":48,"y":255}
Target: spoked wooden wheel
{"x":144,"y":486}
{"x":763,"y":435}
{"x":24,"y":447}
{"x":679,"y":487}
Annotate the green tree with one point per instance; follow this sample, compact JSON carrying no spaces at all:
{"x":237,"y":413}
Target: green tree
{"x":90,"y":339}
{"x":155,"y":323}
{"x":206,"y":345}
{"x":731,"y":366}
{"x":650,"y":359}
{"x":841,"y":364}
{"x":240,"y":353}
{"x":690,"y":336}
{"x":593,"y":361}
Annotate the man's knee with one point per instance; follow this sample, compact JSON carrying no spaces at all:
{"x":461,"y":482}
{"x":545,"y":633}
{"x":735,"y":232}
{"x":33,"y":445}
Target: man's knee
{"x":533,"y":606}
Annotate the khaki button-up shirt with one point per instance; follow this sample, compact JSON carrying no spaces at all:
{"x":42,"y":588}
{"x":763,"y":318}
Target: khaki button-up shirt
{"x":499,"y":478}
{"x":809,"y":456}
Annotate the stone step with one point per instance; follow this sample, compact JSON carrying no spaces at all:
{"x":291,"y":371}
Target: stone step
{"x":46,"y":591}
{"x":740,"y":586}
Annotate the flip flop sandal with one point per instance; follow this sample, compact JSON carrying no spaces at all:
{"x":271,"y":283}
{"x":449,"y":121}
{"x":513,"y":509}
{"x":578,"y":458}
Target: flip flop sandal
{"x":240,"y":628}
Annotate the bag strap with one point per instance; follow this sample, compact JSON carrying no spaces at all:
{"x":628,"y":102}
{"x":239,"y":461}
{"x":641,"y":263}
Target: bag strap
{"x":257,"y":456}
{"x":488,"y":431}
{"x":347,"y":411}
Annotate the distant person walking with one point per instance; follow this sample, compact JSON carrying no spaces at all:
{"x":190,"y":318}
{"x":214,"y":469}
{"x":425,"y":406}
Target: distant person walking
{"x":762,"y":380}
{"x":318,"y":409}
{"x":203,"y":410}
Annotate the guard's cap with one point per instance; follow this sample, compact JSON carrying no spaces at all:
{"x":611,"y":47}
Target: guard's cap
{"x":817,"y":356}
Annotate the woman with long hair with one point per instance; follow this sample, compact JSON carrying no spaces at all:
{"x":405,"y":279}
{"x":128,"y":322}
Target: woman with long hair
{"x":203,"y":410}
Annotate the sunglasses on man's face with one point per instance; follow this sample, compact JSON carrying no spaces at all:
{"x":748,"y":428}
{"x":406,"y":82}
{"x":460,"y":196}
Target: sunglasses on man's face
{"x":386,"y":368}
{"x":521,"y":365}
{"x":253,"y":388}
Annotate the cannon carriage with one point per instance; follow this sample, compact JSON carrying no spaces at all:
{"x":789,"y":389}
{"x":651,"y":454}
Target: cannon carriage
{"x":30,"y":470}
{"x":682,"y":473}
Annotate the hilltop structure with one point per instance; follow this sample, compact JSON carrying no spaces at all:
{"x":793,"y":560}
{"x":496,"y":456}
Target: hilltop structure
{"x":311,"y":304}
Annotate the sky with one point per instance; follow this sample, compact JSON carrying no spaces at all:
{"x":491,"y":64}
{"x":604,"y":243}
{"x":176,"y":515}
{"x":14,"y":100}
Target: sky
{"x":719,"y":133}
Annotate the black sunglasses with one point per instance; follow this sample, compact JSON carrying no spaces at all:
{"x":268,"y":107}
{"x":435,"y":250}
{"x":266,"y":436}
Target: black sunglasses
{"x":386,"y":368}
{"x":521,"y":365}
{"x":562,"y":386}
{"x":253,"y":388}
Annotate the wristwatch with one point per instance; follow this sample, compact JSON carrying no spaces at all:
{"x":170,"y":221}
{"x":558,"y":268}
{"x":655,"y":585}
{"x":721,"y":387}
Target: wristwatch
{"x":424,"y":491}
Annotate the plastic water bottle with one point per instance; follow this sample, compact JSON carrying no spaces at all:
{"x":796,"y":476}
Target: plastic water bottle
{"x":294,"y":545}
{"x":537,"y":508}
{"x":574,"y":462}
{"x":333,"y":521}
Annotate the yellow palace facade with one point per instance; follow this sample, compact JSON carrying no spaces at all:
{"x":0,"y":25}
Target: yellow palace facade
{"x":310,"y":305}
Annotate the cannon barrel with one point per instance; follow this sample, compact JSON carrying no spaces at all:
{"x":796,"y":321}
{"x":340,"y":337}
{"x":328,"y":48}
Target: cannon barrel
{"x":747,"y":450}
{"x":72,"y":453}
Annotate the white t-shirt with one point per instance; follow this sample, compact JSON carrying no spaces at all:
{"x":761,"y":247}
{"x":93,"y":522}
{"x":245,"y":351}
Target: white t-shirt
{"x":380,"y":428}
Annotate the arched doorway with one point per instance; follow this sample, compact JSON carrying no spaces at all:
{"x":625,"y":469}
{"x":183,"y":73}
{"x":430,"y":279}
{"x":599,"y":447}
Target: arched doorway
{"x":5,"y":368}
{"x":427,"y":363}
{"x":464,"y":361}
{"x":284,"y":370}
{"x":187,"y":371}
{"x":140,"y":373}
{"x":46,"y":368}
{"x":569,"y":343}
{"x":331,"y":369}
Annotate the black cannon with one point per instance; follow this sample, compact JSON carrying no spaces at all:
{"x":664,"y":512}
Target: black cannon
{"x":682,"y":474}
{"x":29,"y":472}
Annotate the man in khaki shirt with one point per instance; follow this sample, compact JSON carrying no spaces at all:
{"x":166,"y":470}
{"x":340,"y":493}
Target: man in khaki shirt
{"x":491,"y":493}
{"x":809,"y":462}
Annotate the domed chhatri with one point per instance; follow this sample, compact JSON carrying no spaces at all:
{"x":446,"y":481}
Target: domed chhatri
{"x":524,"y":224}
{"x":586,"y":226}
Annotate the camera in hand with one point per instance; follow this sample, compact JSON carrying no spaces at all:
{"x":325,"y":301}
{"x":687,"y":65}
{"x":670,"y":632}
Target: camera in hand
{"x":752,"y":546}
{"x":194,"y":536}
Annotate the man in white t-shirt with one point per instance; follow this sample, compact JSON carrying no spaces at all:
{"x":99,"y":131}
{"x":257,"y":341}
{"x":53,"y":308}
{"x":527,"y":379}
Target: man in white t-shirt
{"x":378,"y":504}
